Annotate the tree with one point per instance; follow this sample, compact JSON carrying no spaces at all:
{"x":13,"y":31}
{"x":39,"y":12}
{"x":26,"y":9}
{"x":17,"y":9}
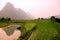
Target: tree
{"x":52,"y":19}
{"x":2,"y":19}
{"x":8,"y":19}
{"x":5,"y":19}
{"x":38,"y":18}
{"x":42,"y":18}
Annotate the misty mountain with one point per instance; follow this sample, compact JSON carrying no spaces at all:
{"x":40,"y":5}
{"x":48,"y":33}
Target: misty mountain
{"x":14,"y":13}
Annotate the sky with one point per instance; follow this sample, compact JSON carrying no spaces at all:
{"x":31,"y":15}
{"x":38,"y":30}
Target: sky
{"x":37,"y":8}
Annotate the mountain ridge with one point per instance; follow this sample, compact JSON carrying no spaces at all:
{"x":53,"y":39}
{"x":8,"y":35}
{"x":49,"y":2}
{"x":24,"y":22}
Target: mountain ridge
{"x":14,"y":13}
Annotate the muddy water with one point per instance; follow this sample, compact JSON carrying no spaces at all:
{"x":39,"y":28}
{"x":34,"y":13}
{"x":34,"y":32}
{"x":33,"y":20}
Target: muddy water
{"x":10,"y":33}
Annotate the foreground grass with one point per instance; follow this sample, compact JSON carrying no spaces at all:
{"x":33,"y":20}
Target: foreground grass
{"x":26,"y":30}
{"x":45,"y":29}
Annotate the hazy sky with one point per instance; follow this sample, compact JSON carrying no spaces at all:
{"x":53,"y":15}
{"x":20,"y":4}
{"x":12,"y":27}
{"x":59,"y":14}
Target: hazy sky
{"x":37,"y":8}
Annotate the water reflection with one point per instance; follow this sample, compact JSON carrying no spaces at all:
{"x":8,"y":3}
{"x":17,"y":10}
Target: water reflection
{"x":10,"y":33}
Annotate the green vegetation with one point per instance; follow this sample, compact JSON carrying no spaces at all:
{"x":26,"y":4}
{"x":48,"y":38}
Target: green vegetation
{"x":45,"y":31}
{"x":5,"y":19}
{"x":57,"y":37}
{"x":36,"y":29}
{"x":27,"y":30}
{"x":52,"y":19}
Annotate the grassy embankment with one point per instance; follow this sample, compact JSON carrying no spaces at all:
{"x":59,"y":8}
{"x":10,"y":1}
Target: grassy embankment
{"x":45,"y":29}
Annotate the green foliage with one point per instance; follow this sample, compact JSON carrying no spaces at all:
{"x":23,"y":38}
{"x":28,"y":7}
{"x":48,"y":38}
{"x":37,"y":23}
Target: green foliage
{"x":27,"y":30}
{"x":42,"y":18}
{"x":5,"y":19}
{"x":57,"y":37}
{"x":38,"y":18}
{"x":9,"y":19}
{"x":45,"y":31}
{"x":52,"y":19}
{"x":2,"y":19}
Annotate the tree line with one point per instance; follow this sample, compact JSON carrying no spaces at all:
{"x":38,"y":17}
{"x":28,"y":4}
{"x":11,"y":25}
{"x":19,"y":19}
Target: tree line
{"x":3,"y":19}
{"x":53,"y":19}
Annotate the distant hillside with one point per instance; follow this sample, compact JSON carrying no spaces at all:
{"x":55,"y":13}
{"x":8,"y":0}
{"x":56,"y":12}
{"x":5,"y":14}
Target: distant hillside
{"x":14,"y":13}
